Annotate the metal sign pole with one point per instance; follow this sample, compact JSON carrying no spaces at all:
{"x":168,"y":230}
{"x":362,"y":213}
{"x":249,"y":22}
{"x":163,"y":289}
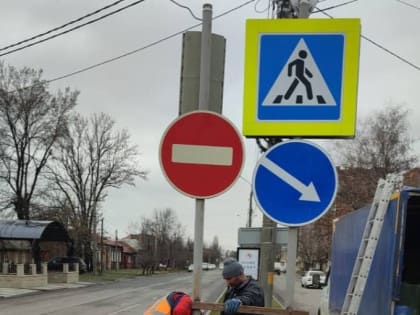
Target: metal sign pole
{"x":291,"y":265}
{"x":204,"y":97}
{"x":198,"y":249}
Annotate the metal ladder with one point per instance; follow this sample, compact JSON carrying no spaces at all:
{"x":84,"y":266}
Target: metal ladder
{"x":368,"y":244}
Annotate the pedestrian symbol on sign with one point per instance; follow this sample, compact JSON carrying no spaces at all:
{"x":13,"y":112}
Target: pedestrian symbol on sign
{"x":299,"y":82}
{"x":300,"y":76}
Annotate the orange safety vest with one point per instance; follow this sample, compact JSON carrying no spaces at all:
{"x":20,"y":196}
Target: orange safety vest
{"x":160,"y":307}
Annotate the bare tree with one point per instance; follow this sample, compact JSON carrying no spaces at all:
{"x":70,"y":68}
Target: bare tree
{"x":92,"y":158}
{"x":382,"y":146}
{"x":314,"y":242}
{"x":31,"y":122}
{"x":214,"y":252}
{"x":167,"y":231}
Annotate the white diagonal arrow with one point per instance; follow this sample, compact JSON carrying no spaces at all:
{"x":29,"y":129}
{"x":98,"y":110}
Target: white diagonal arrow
{"x":308,"y":192}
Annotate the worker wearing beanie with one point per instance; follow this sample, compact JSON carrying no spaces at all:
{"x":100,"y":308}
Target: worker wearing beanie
{"x":241,"y":290}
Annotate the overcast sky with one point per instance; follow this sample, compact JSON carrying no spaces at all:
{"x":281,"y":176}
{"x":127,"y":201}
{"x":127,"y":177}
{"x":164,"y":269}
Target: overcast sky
{"x":141,"y":91}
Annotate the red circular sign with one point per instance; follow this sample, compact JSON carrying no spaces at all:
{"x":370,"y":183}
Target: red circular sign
{"x":201,"y":154}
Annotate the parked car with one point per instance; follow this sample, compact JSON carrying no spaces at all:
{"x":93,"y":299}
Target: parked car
{"x":211,"y":266}
{"x":280,"y":267}
{"x":204,"y":266}
{"x":313,"y":279}
{"x":57,"y":263}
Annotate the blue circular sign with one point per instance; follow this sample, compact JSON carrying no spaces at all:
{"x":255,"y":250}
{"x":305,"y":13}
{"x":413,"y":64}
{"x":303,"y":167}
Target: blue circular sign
{"x":295,"y":182}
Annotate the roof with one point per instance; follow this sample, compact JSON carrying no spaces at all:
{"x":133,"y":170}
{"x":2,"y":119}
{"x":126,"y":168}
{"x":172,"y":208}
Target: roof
{"x":131,"y":245}
{"x":29,"y":230}
{"x":112,"y":243}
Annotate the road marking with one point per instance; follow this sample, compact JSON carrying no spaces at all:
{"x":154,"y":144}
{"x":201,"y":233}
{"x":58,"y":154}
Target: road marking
{"x":308,"y":192}
{"x":202,"y":154}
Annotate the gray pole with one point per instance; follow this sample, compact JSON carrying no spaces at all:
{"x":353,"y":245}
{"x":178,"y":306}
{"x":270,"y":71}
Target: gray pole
{"x":102,"y":245}
{"x":303,"y":12}
{"x":204,"y":95}
{"x":205,"y":62}
{"x":250,"y":211}
{"x":268,"y":233}
{"x":268,"y":238}
{"x":291,"y":266}
{"x":94,"y":243}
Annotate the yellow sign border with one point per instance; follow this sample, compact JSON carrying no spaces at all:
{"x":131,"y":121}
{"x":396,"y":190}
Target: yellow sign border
{"x":344,"y":128}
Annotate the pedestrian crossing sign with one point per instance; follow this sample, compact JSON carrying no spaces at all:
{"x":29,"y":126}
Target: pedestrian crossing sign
{"x":301,"y":77}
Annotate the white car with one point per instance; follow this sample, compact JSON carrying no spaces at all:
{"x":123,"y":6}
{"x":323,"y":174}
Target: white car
{"x":212,"y":266}
{"x":313,"y":279}
{"x":280,"y":267}
{"x":204,"y":266}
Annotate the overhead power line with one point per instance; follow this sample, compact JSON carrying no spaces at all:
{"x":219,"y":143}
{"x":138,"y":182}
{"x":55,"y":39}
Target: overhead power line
{"x":335,"y":6}
{"x":187,"y":8}
{"x":123,"y":55}
{"x":139,"y":49}
{"x":379,"y":46}
{"x":409,"y":4}
{"x":144,"y":47}
{"x":62,"y":26}
{"x":72,"y":29}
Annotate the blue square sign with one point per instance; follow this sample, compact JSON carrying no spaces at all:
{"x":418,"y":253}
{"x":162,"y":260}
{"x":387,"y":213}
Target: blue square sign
{"x":301,"y":78}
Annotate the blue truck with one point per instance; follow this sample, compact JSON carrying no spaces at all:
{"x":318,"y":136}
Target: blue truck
{"x":393,"y":284}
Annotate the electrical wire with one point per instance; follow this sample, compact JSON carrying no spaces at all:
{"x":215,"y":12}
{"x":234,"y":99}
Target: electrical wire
{"x":146,"y":46}
{"x":335,"y":6}
{"x":233,"y":9}
{"x":409,"y":4}
{"x":63,"y":26}
{"x":245,"y":180}
{"x":261,"y":11}
{"x":123,"y":55}
{"x":390,"y":52}
{"x":380,"y":46}
{"x":72,"y":29}
{"x":187,"y":8}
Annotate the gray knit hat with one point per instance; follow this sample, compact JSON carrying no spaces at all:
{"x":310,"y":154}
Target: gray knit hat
{"x":231,"y":268}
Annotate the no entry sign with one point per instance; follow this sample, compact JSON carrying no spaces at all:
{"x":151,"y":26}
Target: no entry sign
{"x":201,"y":154}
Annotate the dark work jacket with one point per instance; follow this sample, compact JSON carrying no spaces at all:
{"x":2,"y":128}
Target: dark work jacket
{"x":249,"y":292}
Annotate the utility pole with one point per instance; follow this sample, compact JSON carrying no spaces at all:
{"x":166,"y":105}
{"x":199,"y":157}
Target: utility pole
{"x":282,"y":9}
{"x":94,"y":242}
{"x":285,"y":10}
{"x":203,"y":104}
{"x":250,"y":210}
{"x":102,"y":245}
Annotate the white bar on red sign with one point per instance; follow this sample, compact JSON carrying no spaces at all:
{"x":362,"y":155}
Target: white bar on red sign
{"x":202,"y":154}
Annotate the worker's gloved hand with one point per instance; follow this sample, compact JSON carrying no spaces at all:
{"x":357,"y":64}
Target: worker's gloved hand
{"x":232,"y":305}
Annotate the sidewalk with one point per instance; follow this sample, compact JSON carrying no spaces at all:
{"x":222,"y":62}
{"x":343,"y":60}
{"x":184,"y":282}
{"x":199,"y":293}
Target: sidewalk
{"x":12,"y":292}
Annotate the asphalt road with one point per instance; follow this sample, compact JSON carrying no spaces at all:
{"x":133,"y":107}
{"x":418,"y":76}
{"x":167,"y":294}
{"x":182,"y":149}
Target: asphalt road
{"x":305,"y":299}
{"x":133,"y":296}
{"x":125,"y":297}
